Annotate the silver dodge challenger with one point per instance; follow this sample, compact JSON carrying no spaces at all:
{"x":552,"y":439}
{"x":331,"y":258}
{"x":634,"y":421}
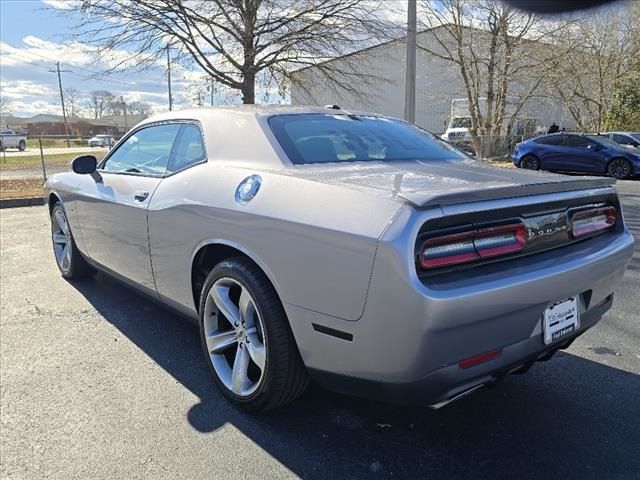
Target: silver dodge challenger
{"x":353,"y":249}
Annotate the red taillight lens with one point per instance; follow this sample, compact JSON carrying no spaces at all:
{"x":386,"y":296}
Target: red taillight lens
{"x":593,"y":220}
{"x":473,"y":245}
{"x":478,"y":359}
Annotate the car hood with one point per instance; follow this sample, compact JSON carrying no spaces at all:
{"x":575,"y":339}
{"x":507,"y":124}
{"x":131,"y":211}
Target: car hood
{"x":427,"y":184}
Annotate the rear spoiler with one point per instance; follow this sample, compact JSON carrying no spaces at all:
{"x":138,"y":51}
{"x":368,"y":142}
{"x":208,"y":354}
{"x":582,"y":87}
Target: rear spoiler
{"x":510,"y":191}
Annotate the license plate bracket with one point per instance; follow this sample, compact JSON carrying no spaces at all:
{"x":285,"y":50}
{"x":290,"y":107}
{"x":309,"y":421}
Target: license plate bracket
{"x":560,"y":320}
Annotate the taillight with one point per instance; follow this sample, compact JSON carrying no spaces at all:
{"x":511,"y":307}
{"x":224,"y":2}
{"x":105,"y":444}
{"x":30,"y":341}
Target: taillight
{"x":594,"y":220}
{"x":472,"y":246}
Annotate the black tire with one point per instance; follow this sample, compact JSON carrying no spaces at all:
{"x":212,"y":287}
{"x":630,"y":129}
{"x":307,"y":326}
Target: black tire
{"x":284,"y":377}
{"x":22,"y":146}
{"x":77,"y":267}
{"x":619,"y":168}
{"x":530,"y":162}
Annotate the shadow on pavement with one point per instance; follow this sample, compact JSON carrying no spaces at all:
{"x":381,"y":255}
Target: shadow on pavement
{"x":569,"y":417}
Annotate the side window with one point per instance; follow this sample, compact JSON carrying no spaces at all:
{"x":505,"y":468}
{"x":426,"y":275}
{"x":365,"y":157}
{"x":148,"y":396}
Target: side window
{"x":579,"y":142}
{"x":551,"y":140}
{"x":188,"y":149}
{"x":147,"y":151}
{"x":622,"y":139}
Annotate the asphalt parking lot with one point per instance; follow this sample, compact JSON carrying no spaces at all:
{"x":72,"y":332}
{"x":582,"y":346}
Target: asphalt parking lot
{"x":97,"y":382}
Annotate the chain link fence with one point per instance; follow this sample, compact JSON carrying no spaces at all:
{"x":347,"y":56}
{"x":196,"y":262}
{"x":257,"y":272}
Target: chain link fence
{"x":22,"y":173}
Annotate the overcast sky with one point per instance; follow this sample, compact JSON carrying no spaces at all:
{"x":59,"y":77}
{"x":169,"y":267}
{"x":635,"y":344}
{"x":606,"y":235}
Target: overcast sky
{"x":34,"y":36}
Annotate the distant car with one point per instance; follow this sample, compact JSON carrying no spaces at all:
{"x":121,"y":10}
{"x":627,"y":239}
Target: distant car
{"x":9,"y":139}
{"x":353,"y":248}
{"x":102,"y":141}
{"x":572,"y":152}
{"x":630,"y":139}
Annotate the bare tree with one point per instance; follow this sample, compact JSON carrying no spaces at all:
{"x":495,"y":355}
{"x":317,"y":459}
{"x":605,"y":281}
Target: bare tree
{"x":5,"y":105}
{"x":607,"y":47}
{"x":497,"y":53}
{"x":235,"y":42}
{"x":98,"y":103}
{"x":71,"y":100}
{"x":139,"y":108}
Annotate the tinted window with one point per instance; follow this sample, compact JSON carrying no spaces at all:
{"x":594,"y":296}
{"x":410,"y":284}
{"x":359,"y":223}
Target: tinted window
{"x":188,"y":149}
{"x":324,"y":138}
{"x":623,"y":139}
{"x":577,"y":141}
{"x":636,"y":136}
{"x":147,"y":151}
{"x":551,"y":140}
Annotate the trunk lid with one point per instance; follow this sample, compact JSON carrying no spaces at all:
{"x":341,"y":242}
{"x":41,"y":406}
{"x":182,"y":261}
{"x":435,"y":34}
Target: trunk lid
{"x":431,"y":184}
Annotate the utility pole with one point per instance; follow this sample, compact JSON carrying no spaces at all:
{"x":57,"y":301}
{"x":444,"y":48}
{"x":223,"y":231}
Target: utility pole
{"x":124,"y":109}
{"x":212,"y":91}
{"x":169,"y":79}
{"x":410,"y":80}
{"x":64,"y":113}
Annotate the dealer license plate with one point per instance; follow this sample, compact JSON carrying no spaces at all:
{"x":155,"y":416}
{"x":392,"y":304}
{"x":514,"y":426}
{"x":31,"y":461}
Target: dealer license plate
{"x":560,"y":320}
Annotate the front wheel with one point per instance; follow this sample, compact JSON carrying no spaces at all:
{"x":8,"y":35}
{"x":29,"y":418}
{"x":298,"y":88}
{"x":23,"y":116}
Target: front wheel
{"x":22,"y":146}
{"x":530,"y":162}
{"x":68,"y":257}
{"x":619,"y":168}
{"x":246,"y":338}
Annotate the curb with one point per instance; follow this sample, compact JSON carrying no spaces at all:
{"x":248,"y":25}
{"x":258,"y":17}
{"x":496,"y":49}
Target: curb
{"x":21,"y":202}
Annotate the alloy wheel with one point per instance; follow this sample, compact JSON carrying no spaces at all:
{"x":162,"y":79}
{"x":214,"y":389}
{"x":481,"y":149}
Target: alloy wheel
{"x":61,"y":235}
{"x":619,"y":168}
{"x":234,"y":335}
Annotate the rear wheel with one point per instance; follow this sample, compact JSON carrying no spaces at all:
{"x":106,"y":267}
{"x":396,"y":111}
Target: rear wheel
{"x":246,"y":338}
{"x":619,"y":168}
{"x":530,"y":162}
{"x":22,"y":146}
{"x":69,"y":260}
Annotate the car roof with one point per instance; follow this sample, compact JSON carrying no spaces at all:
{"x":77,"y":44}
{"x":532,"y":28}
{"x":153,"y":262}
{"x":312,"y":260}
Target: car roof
{"x":237,"y":111}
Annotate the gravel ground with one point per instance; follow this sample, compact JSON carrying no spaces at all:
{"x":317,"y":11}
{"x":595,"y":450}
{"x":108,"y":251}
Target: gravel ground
{"x":97,"y":382}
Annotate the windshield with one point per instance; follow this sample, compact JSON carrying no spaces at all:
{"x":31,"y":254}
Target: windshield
{"x":327,"y":138}
{"x":460,"y":122}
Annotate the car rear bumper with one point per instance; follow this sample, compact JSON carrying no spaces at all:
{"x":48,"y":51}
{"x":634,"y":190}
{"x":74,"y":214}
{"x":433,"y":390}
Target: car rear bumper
{"x":411,"y":336}
{"x":451,"y":382}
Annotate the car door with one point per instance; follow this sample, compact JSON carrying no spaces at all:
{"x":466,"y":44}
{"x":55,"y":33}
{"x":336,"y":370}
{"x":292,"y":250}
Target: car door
{"x":583,"y":155}
{"x":112,"y":204}
{"x":550,"y":150}
{"x":175,"y":224}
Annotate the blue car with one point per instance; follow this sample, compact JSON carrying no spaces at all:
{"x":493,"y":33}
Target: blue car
{"x":569,"y":152}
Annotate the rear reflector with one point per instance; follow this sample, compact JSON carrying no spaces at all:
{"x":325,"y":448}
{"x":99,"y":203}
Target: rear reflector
{"x":593,"y":220}
{"x":473,"y":245}
{"x":478,"y":359}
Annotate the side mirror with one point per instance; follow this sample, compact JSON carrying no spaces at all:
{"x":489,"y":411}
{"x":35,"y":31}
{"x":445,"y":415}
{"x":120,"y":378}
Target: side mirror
{"x":84,"y":164}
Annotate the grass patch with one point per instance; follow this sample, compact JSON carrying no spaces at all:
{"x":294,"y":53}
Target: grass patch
{"x":56,"y":143}
{"x":33,"y":160}
{"x":21,"y":188}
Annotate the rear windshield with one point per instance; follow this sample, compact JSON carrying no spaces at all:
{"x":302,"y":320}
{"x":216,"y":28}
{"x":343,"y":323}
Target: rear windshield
{"x":330,"y":138}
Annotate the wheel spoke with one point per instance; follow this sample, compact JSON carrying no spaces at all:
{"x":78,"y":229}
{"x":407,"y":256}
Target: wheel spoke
{"x":247,"y":309}
{"x":59,"y":238}
{"x":239,"y":378}
{"x":66,"y":256}
{"x":220,"y":341}
{"x":256,"y":350}
{"x":62,"y":222}
{"x":225,"y":305}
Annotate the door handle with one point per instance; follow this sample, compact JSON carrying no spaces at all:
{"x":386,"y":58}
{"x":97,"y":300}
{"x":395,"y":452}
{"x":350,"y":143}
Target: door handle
{"x":140,"y":195}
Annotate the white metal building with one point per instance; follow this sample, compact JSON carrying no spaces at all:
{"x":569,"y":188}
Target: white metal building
{"x":438,"y":82}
